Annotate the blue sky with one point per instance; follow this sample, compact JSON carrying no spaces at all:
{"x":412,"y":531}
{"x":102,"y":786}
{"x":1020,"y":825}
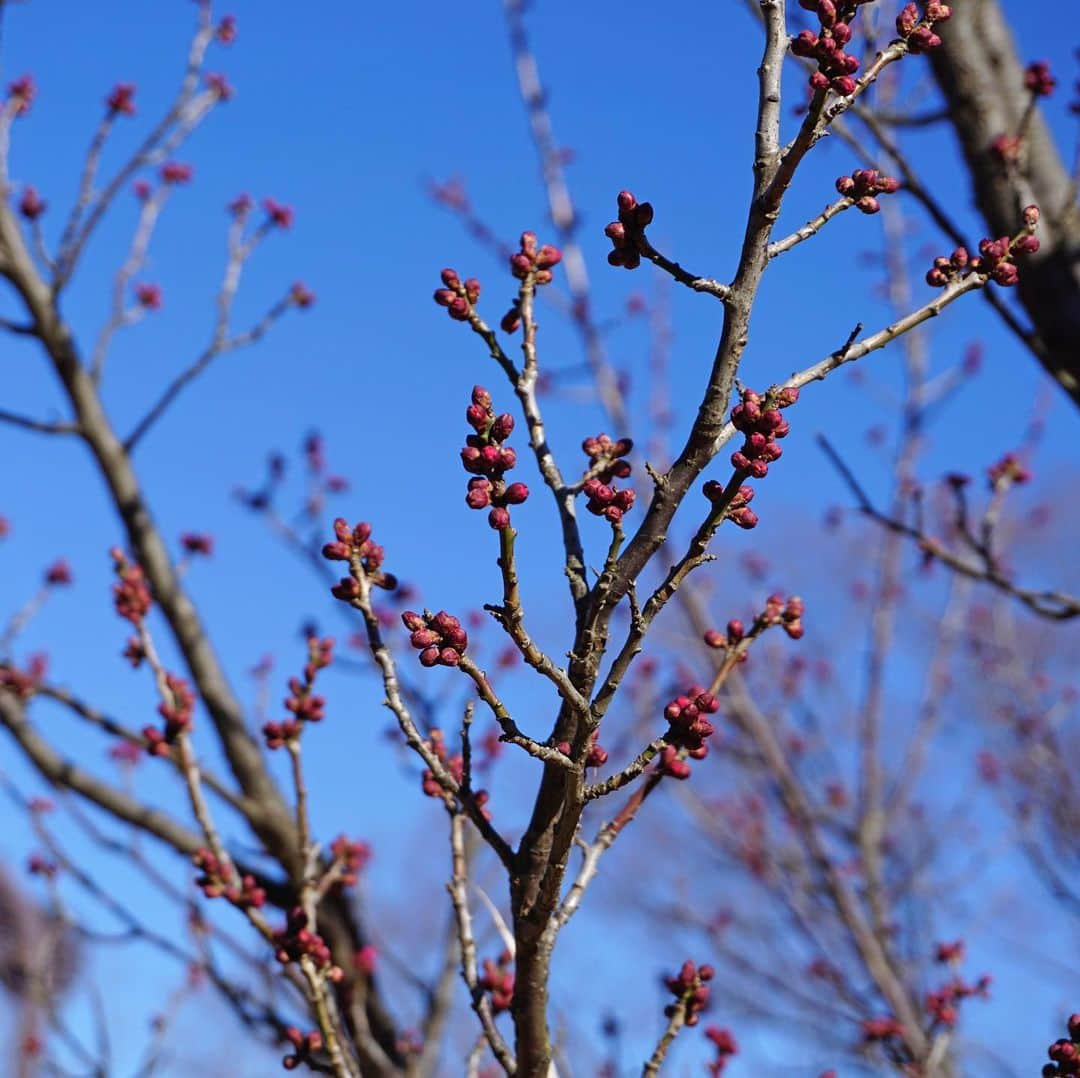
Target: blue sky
{"x":344,"y":113}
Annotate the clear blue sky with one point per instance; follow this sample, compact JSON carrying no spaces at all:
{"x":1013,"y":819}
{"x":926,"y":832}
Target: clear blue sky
{"x":343,"y":111}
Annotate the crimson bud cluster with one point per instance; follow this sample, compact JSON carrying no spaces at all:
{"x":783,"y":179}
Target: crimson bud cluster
{"x":219,"y":881}
{"x":355,"y":545}
{"x":738,"y":510}
{"x":835,"y":67}
{"x":1065,"y":1052}
{"x":690,"y":984}
{"x":605,"y":499}
{"x":862,"y":186}
{"x":305,"y":1046}
{"x":627,"y":234}
{"x":1010,"y":469}
{"x":296,"y":941}
{"x":131,"y":595}
{"x":498,"y":979}
{"x":488,"y":459}
{"x":302,"y":702}
{"x":439,"y":638}
{"x":1039,"y":79}
{"x":919,"y":32}
{"x":352,"y":856}
{"x":689,"y":729}
{"x":529,"y":260}
{"x":458,"y":299}
{"x":176,"y":710}
{"x":759,"y":420}
{"x":994,"y":258}
{"x":724,"y":1043}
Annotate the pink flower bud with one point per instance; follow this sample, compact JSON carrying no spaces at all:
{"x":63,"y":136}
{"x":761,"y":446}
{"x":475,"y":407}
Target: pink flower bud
{"x":548,"y":256}
{"x":805,"y":44}
{"x":1005,"y":274}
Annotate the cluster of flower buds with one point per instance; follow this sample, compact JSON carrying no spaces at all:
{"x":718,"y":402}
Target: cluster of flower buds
{"x":305,"y":1047}
{"x":690,"y":985}
{"x":949,"y":953}
{"x":1008,"y":471}
{"x":487,"y":459}
{"x":876,"y":1030}
{"x":835,"y":68}
{"x":736,"y":631}
{"x":439,"y":638}
{"x":24,"y":683}
{"x":454,"y":764}
{"x":220,"y":86}
{"x":175,"y":172}
{"x":738,"y":510}
{"x":302,"y":702}
{"x":219,"y":881}
{"x":598,"y":755}
{"x":498,"y":979}
{"x":296,"y":940}
{"x":278,"y":215}
{"x":689,"y":730}
{"x":942,"y":1003}
{"x":994,"y":258}
{"x":58,"y":575}
{"x":131,"y":595}
{"x":21,"y":94}
{"x":759,"y":420}
{"x":1065,"y":1053}
{"x":176,"y":710}
{"x":534,"y":261}
{"x":352,"y":856}
{"x":121,"y":100}
{"x":37,"y":864}
{"x":355,"y":546}
{"x":226,"y":30}
{"x":458,"y":298}
{"x":31,"y":204}
{"x":863,"y":185}
{"x":197,"y":543}
{"x":724,"y":1043}
{"x":604,"y":498}
{"x":301,"y":296}
{"x":787,"y":614}
{"x":607,"y":455}
{"x":918,"y":31}
{"x":627,"y":234}
{"x":1039,"y":79}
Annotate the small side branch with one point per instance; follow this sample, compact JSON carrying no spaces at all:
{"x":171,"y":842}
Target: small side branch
{"x":459,"y":895}
{"x":1055,"y":605}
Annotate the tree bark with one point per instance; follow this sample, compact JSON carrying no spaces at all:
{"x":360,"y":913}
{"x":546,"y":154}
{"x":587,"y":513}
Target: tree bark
{"x":982,"y":79}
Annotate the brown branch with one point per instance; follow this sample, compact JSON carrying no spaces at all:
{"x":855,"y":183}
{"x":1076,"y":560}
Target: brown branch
{"x":38,"y":426}
{"x":1055,"y":605}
